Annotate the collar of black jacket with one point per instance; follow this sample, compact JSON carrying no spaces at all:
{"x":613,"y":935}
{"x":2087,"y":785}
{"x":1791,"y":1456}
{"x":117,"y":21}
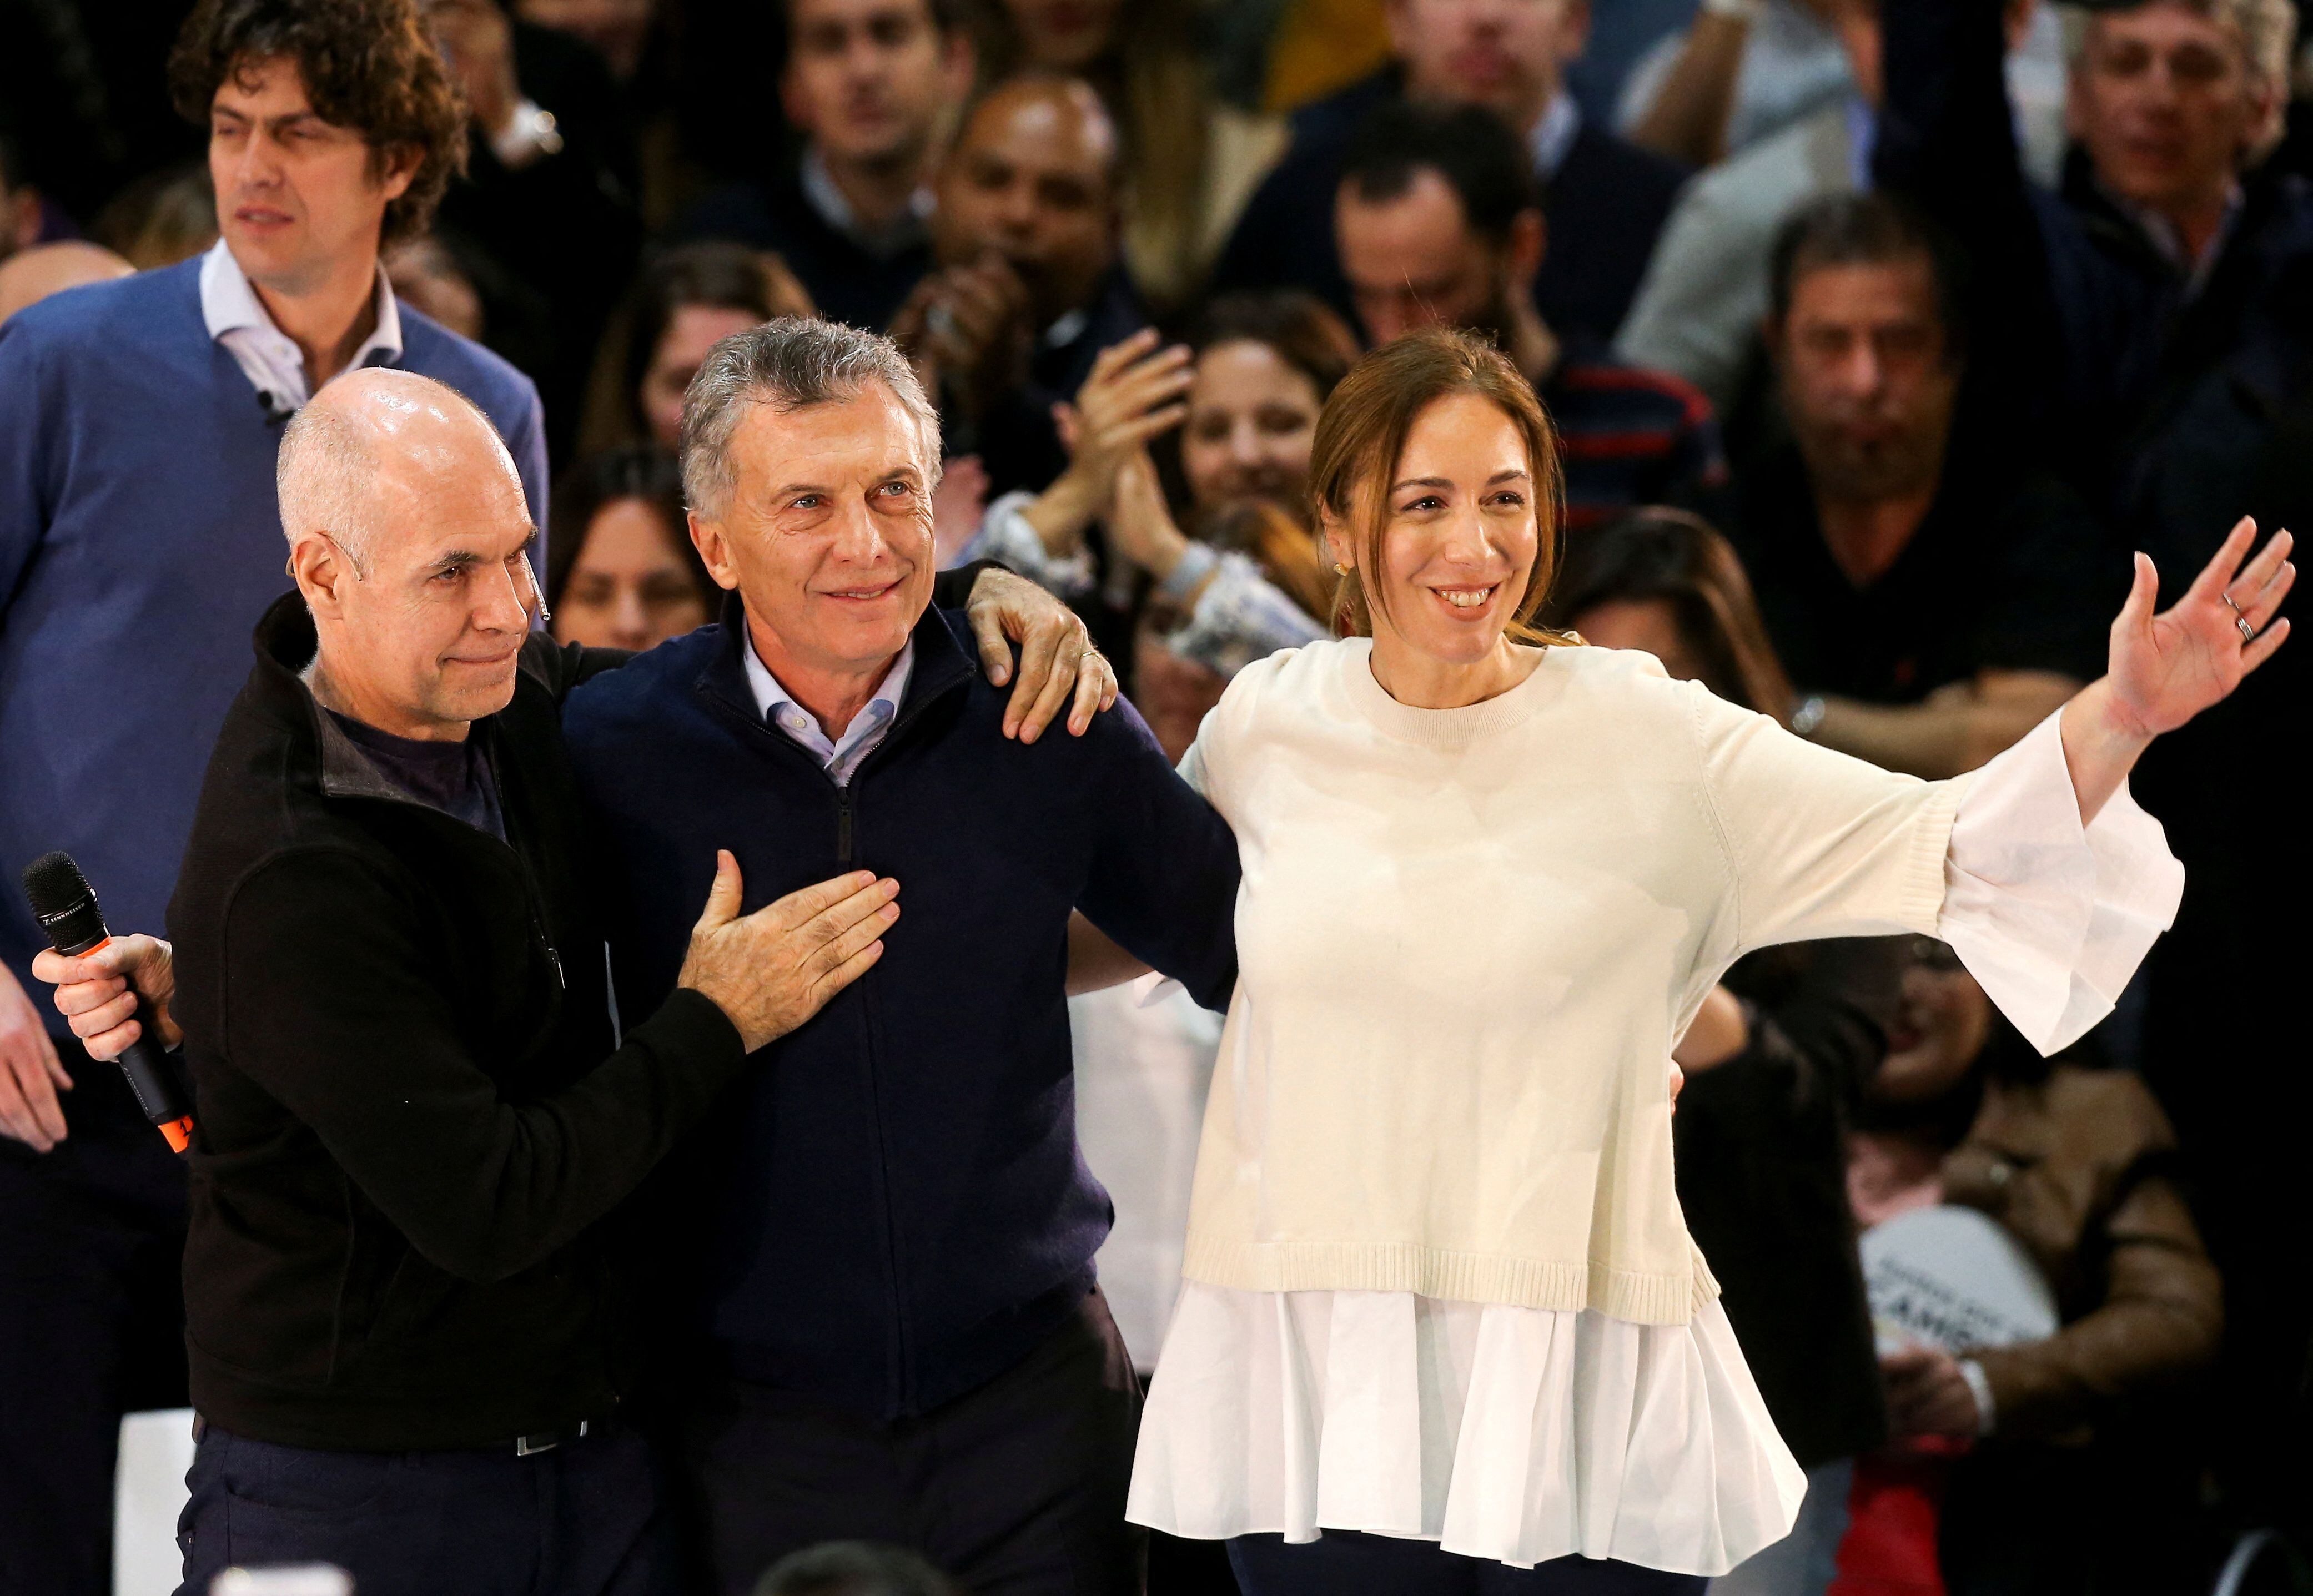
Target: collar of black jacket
{"x":286,"y":645}
{"x":943,"y":663}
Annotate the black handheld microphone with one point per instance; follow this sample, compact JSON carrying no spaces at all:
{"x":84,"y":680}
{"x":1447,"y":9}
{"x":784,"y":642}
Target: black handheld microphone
{"x":66,"y":906}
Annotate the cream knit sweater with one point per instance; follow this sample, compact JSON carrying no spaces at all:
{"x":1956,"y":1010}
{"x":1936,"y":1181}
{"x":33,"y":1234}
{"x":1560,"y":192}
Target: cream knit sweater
{"x":1467,"y":941}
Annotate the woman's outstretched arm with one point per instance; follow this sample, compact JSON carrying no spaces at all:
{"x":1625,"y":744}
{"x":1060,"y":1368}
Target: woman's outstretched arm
{"x":2169,"y":667}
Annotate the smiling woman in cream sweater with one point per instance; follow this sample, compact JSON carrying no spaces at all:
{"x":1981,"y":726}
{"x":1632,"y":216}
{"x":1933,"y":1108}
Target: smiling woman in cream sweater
{"x":1440,"y":1298}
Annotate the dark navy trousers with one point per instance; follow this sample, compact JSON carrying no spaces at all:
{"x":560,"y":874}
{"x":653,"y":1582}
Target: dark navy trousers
{"x":91,"y":1325}
{"x":579,"y":1520}
{"x":1015,"y":1489}
{"x":1342,"y":1563}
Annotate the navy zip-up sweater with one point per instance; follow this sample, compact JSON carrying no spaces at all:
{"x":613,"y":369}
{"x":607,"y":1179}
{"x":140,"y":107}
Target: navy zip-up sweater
{"x":891,"y":1210}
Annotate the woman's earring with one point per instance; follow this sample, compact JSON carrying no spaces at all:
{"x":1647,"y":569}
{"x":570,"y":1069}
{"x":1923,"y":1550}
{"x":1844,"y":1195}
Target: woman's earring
{"x":1340,"y":569}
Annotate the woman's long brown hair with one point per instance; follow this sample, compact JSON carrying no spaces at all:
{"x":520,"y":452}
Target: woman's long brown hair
{"x":1361,"y":435}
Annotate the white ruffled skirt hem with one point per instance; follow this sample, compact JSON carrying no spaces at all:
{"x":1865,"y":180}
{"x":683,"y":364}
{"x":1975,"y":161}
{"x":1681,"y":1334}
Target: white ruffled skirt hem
{"x":1518,"y":1434}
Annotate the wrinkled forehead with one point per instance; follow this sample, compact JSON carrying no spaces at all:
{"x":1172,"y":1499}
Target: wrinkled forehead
{"x":867,"y":434}
{"x":429,"y":500}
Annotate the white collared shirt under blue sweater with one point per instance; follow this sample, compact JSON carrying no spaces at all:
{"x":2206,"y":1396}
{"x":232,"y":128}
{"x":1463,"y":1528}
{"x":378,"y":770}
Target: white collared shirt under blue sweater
{"x":139,"y":544}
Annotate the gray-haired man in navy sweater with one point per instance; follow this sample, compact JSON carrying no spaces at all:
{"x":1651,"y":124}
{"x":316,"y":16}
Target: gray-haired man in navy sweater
{"x":892,"y":1296}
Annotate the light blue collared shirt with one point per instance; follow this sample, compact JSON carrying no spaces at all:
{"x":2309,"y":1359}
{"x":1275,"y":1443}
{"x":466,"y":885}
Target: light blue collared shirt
{"x":840,"y":756}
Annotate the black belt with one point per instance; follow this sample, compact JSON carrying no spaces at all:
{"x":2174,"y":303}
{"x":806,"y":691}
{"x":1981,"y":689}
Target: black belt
{"x":524,"y":1446}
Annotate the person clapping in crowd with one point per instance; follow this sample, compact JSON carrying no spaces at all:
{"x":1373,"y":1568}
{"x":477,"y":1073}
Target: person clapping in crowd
{"x":1243,"y":396}
{"x":1189,"y":160}
{"x":1030,"y":287}
{"x":1249,"y":582}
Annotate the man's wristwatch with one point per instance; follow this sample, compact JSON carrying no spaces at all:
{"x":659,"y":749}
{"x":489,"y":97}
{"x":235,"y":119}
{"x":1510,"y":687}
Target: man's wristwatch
{"x":1806,"y":714}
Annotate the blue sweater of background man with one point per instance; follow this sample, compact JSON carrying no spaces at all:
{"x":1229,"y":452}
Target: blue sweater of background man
{"x":139,"y":542}
{"x":890,"y":1210}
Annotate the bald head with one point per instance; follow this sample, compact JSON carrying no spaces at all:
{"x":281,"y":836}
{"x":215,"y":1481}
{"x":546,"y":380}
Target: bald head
{"x":1049,"y":106}
{"x":30,"y":276}
{"x":374,"y":448}
{"x":409,"y":537}
{"x":1034,"y":178}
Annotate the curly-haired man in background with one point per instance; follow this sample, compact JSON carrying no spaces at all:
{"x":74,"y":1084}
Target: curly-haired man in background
{"x":139,"y":544}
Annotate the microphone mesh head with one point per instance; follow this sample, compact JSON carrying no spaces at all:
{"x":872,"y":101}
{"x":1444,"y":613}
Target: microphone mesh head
{"x":53,"y":883}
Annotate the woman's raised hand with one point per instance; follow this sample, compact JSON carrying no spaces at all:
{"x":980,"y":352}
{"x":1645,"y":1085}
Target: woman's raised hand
{"x":2166,"y":668}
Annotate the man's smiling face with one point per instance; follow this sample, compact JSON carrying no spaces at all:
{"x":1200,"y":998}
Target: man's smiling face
{"x":826,"y":531}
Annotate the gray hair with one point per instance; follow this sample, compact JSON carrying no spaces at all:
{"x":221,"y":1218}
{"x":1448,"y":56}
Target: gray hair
{"x":790,"y":364}
{"x":321,"y":477}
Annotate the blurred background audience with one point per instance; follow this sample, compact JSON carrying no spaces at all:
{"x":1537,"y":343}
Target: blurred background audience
{"x":1936,"y":309}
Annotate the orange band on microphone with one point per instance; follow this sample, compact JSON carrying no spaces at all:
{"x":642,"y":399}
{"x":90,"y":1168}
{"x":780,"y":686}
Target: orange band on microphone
{"x":180,"y":1133}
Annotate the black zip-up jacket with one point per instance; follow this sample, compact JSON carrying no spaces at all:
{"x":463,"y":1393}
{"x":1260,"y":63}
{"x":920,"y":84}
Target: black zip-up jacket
{"x":413,"y":1113}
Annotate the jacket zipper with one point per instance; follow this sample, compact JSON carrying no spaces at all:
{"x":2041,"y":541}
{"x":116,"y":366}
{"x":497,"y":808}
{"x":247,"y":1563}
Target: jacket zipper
{"x":899,"y":1379}
{"x":902,"y":1382}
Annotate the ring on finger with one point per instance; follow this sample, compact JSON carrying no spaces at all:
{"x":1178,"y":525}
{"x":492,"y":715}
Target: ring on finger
{"x":2240,"y":619}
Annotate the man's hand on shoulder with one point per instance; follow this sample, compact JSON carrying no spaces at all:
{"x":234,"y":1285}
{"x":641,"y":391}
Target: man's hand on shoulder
{"x":771,"y":970}
{"x":1058,"y":665}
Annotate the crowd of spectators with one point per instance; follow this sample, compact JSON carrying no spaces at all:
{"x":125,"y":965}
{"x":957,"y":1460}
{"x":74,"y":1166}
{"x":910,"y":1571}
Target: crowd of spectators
{"x":1876,"y":334}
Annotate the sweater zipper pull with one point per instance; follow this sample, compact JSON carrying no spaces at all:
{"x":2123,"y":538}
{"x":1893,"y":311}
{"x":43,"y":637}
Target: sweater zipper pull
{"x":560,"y":985}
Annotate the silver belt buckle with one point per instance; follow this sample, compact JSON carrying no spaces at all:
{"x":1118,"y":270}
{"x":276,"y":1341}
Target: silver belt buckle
{"x":529,"y":1446}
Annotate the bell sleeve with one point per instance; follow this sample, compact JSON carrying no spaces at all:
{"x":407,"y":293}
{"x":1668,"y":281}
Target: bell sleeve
{"x":2052,"y":917}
